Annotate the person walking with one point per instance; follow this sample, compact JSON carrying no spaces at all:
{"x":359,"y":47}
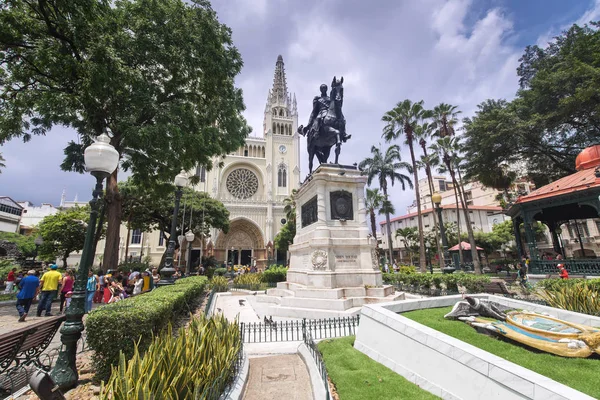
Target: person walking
{"x":90,"y":290}
{"x":29,"y":287}
{"x":49,"y":282}
{"x":10,"y":281}
{"x":66,"y":287}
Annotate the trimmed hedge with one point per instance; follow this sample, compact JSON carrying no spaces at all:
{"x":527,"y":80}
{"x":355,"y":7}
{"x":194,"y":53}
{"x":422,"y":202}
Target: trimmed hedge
{"x":117,"y":327}
{"x":275,"y":274}
{"x":472,"y":283}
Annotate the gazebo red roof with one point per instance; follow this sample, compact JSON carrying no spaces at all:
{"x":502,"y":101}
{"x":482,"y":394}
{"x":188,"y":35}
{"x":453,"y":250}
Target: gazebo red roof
{"x":585,"y":178}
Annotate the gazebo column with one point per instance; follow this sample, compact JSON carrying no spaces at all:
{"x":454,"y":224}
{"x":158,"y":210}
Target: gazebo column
{"x":516,"y":222}
{"x":528,"y":222}
{"x":555,"y":239}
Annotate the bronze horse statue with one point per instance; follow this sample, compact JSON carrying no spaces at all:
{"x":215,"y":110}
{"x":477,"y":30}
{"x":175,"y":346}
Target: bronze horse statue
{"x":331,"y":128}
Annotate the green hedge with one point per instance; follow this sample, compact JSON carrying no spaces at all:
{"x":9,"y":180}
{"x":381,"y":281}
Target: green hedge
{"x":472,"y":283}
{"x":275,"y":274}
{"x":119,"y":326}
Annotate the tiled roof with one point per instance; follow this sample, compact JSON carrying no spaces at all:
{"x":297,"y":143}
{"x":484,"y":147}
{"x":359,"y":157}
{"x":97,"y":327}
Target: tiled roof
{"x":580,"y":180}
{"x":445,"y":207}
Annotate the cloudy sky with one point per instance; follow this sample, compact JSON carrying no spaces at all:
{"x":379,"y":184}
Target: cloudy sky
{"x":458,"y":51}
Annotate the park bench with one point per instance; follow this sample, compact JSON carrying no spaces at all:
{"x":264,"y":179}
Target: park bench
{"x":497,"y":288}
{"x":510,"y":279}
{"x":21,"y":352}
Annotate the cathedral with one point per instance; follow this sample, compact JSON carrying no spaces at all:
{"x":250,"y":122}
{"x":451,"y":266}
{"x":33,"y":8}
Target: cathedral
{"x":252,"y":183}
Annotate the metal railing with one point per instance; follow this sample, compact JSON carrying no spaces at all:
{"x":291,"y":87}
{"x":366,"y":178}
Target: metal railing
{"x":318,"y":357}
{"x":252,"y":287}
{"x":573,"y":266}
{"x":290,"y":331}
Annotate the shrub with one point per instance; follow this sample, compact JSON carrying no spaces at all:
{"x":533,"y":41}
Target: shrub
{"x":408,"y":269}
{"x":275,"y":274}
{"x":119,"y":326}
{"x":220,"y":272}
{"x":195,"y":364}
{"x":5,"y":267}
{"x":451,"y":282}
{"x":472,"y":283}
{"x":580,"y":297}
{"x":248,"y":281}
{"x":437,"y":280}
{"x":219,"y":284}
{"x":130,"y":266}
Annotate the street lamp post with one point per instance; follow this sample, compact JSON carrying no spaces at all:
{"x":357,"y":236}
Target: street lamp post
{"x":436,"y":198}
{"x":101,"y":160}
{"x":38,"y":242}
{"x":189,"y":237}
{"x":167,"y":271}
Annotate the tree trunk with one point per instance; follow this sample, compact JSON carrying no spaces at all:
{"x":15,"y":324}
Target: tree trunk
{"x":388,"y":228}
{"x":460,"y":253}
{"x":373,"y":224}
{"x":113,"y":199}
{"x":64,"y":260}
{"x":99,"y":227}
{"x":422,"y":257}
{"x":438,"y":242}
{"x":474,"y":254}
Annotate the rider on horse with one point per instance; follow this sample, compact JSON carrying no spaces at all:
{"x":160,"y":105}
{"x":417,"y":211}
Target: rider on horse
{"x":320,"y":106}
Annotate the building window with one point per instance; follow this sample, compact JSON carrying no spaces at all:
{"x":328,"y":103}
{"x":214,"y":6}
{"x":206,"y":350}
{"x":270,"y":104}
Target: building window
{"x":10,"y":210}
{"x":161,"y":240}
{"x":201,"y":173}
{"x":583,"y":229}
{"x":442,"y":186}
{"x":282,"y":176}
{"x":136,"y":236}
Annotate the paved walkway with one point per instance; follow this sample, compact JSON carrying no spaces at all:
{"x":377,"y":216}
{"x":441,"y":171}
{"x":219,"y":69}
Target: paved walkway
{"x":278,"y":377}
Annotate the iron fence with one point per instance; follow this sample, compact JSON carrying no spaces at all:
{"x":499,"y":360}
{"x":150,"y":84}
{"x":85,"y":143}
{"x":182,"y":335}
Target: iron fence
{"x":318,"y":357}
{"x":290,"y":331}
{"x":573,"y":266}
{"x":252,"y":287}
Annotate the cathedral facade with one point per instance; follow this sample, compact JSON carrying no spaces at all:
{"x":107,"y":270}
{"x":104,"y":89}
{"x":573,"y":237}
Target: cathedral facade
{"x":252,"y":183}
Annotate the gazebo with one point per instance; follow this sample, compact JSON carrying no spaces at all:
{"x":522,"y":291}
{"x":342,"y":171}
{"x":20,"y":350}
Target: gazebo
{"x":466,"y":248}
{"x":572,"y":198}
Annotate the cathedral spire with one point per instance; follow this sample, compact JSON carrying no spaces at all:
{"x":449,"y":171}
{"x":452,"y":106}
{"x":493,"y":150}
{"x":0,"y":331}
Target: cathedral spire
{"x":279,"y":93}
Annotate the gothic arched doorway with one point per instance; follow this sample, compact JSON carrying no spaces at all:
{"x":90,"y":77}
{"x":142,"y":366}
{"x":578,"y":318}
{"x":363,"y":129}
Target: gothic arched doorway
{"x":242,"y":245}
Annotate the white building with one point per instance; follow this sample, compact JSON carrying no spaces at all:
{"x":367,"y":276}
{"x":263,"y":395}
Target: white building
{"x":252,"y":183}
{"x":33,"y":215}
{"x":10,"y":215}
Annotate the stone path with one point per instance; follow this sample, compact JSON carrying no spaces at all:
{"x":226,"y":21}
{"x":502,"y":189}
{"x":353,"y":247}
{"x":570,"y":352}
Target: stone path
{"x":278,"y":377}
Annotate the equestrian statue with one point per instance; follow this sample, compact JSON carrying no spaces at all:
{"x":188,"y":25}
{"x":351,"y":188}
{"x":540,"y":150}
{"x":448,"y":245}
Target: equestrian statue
{"x":327,"y":125}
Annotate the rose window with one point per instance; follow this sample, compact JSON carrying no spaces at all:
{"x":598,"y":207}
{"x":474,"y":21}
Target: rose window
{"x":242,"y":183}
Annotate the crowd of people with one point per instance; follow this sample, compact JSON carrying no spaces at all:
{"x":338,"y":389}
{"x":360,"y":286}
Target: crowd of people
{"x":109,"y":287}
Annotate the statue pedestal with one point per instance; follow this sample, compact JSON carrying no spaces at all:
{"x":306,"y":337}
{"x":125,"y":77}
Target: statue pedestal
{"x":333,"y":266}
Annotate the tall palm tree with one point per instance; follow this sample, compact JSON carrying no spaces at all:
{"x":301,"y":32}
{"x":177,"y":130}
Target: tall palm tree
{"x":450,"y":149}
{"x":374,"y":202}
{"x":289,"y":206}
{"x":423,"y":132}
{"x":2,"y":165}
{"x":383,"y":167}
{"x":402,"y":120}
{"x":408,"y":236}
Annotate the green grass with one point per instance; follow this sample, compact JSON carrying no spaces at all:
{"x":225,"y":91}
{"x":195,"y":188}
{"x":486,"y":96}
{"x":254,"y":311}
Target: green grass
{"x":357,"y":377}
{"x":579,"y":373}
{"x":8,"y":296}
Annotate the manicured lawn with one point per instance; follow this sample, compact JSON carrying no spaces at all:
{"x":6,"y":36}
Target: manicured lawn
{"x":579,"y":373}
{"x":357,"y":377}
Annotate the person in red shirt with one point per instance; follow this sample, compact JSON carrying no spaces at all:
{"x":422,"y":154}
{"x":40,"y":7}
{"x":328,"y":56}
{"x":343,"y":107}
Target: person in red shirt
{"x":564,"y":274}
{"x":10,"y":281}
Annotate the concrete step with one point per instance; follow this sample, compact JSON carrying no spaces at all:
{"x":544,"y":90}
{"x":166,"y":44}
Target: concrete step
{"x":324,"y":304}
{"x":280,"y":292}
{"x":311,"y":313}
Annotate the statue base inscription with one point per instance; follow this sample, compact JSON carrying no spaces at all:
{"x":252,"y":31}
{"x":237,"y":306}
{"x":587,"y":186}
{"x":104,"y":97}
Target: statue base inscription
{"x":333,"y":265}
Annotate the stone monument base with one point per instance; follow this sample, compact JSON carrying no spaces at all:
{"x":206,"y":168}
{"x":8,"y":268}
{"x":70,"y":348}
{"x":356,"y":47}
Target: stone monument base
{"x":333,"y":264}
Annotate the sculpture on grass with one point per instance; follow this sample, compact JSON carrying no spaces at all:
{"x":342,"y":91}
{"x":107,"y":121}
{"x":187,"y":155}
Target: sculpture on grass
{"x":540,"y":331}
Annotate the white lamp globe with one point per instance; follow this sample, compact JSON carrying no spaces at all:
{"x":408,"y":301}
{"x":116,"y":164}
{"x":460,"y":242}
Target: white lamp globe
{"x":181,"y":180}
{"x":100,"y":157}
{"x":189,"y":236}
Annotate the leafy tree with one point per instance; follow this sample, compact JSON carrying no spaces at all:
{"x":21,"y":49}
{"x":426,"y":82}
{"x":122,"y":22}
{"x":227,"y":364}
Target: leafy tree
{"x":383,"y":167}
{"x":400,"y":121}
{"x":374,"y":201}
{"x":25,"y":244}
{"x":555,"y":114}
{"x":63,"y":233}
{"x":158,"y":75}
{"x":150,"y":208}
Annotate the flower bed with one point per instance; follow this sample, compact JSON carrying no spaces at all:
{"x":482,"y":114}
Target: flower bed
{"x":119,"y":326}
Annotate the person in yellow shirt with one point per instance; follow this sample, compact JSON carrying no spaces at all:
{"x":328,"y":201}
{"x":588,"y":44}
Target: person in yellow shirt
{"x":49,"y":283}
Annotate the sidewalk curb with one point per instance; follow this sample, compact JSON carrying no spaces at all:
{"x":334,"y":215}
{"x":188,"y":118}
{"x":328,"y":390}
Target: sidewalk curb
{"x":239,"y":384}
{"x":318,"y":387}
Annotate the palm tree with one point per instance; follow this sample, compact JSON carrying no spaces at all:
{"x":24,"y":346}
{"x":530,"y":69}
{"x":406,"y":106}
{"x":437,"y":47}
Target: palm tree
{"x":374,"y":202}
{"x":383,"y":167}
{"x":422,"y":133}
{"x":403,"y":119}
{"x":408,"y":236}
{"x":2,"y":165}
{"x":449,"y":147}
{"x":289,"y":206}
